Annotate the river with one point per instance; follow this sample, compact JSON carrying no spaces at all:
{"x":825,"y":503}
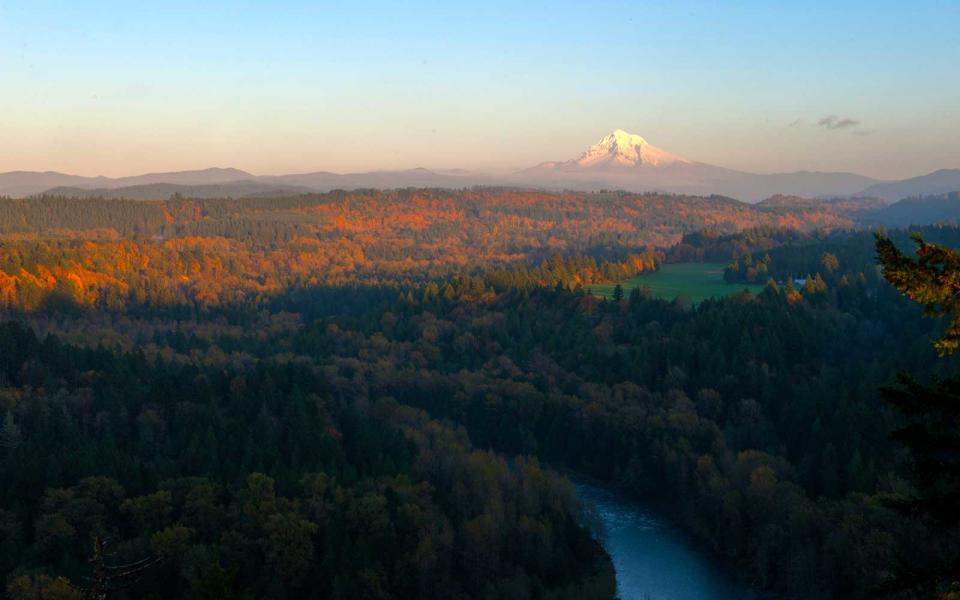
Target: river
{"x":653,"y":560}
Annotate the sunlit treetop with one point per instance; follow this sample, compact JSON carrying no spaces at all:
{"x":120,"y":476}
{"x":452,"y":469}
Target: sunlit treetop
{"x":932,"y":280}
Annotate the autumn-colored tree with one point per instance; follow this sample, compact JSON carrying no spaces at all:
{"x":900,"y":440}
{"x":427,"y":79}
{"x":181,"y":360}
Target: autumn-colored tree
{"x":932,"y":280}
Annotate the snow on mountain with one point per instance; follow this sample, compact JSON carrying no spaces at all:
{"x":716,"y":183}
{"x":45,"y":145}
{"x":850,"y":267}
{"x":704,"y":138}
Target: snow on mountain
{"x":628,"y":150}
{"x":627,"y":161}
{"x":620,"y":160}
{"x":615,"y":151}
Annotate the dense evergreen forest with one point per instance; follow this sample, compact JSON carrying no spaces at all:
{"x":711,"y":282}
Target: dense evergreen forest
{"x":371,"y":394}
{"x":264,"y":482}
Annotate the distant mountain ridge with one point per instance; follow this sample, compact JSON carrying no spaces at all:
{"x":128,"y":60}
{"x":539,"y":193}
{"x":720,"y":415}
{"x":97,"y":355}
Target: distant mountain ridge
{"x":162,"y":191}
{"x":28,"y":183}
{"x":919,"y":210}
{"x":25,"y":183}
{"x":943,"y":181}
{"x":872,"y":211}
{"x":620,"y":160}
{"x":627,"y":161}
{"x":198,"y":177}
{"x":234,"y":181}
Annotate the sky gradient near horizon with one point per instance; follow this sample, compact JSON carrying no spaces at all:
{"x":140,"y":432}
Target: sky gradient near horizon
{"x":109,"y":88}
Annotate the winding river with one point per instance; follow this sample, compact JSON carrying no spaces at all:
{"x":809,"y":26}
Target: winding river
{"x":653,"y":560}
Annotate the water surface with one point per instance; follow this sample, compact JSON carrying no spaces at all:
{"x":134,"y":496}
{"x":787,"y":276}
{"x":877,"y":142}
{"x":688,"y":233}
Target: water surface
{"x":653,"y":560}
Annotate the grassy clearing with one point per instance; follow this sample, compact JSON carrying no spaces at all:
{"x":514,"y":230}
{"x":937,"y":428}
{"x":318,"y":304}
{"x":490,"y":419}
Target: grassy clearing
{"x":696,"y":281}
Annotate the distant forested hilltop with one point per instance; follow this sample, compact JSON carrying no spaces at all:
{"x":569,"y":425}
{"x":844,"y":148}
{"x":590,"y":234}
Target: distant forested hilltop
{"x":205,"y":252}
{"x":569,"y":220}
{"x":483,"y":216}
{"x":108,"y":252}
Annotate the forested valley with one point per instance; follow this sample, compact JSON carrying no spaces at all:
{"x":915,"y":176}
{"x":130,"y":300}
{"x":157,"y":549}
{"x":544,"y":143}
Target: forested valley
{"x":376,"y":394}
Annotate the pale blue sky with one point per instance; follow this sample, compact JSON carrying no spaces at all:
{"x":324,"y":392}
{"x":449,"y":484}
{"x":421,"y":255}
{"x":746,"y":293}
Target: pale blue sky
{"x":109,"y":88}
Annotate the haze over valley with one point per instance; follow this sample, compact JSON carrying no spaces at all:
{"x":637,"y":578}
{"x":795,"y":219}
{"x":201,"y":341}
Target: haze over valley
{"x":619,"y":161}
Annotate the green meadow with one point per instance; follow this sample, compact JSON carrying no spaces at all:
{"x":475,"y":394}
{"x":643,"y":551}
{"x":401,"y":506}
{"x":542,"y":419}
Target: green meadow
{"x":696,"y":281}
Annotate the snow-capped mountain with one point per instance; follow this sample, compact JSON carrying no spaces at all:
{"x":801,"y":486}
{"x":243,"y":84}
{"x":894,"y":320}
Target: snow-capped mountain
{"x":627,"y":161}
{"x":616,"y":151}
{"x":622,"y":149}
{"x":621,"y":160}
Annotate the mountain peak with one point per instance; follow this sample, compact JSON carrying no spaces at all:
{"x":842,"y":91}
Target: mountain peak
{"x":624,"y":138}
{"x":622,"y":148}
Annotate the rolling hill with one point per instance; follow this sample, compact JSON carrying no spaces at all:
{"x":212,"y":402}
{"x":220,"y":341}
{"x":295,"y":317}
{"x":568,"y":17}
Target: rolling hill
{"x":162,"y":191}
{"x":943,"y":181}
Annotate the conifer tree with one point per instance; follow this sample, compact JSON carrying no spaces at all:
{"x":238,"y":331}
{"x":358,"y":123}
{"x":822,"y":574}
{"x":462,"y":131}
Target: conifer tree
{"x":931,"y":412}
{"x":933,"y":280}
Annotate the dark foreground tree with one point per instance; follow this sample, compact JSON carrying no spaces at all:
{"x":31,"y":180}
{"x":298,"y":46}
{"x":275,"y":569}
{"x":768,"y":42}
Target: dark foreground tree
{"x":932,"y":280}
{"x":931,"y":413}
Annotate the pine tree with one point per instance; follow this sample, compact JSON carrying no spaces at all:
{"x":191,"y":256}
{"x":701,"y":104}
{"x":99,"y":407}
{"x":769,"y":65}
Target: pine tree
{"x":933,"y":281}
{"x":931,"y":412}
